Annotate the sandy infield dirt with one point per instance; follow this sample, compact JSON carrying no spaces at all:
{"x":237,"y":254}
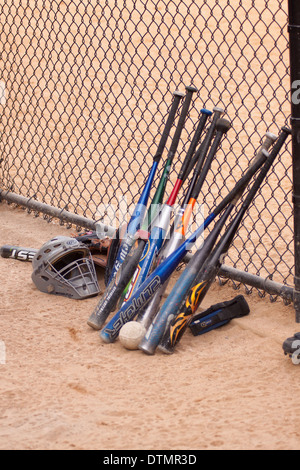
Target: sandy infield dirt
{"x":62,"y":388}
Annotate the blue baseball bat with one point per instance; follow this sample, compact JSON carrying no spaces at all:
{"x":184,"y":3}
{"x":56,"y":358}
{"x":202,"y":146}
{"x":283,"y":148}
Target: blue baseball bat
{"x":139,"y":213}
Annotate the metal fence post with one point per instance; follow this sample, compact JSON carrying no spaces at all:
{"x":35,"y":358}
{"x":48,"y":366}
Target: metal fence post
{"x":294,"y":36}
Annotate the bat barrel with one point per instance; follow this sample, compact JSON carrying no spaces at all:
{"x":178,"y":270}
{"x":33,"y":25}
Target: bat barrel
{"x":17,"y":252}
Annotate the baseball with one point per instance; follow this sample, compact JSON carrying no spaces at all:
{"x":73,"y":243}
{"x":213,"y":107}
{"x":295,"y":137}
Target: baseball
{"x":131,"y":334}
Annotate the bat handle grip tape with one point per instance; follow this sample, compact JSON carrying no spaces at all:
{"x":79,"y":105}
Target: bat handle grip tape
{"x":202,"y":151}
{"x":190,"y":161}
{"x":182,"y":118}
{"x":177,"y":98}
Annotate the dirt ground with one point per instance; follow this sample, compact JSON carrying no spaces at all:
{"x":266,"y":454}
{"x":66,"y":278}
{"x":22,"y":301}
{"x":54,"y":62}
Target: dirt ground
{"x":62,"y":388}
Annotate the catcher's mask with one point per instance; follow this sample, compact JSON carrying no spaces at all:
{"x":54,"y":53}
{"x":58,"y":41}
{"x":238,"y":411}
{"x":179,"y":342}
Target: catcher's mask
{"x":64,"y":266}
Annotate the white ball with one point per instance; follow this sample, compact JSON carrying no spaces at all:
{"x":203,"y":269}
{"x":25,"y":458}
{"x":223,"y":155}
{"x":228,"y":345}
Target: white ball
{"x":131,"y":334}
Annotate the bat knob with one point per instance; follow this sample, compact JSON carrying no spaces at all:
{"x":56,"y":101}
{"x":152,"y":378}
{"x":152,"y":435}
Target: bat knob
{"x":218,"y":110}
{"x":223,"y":125}
{"x":191,"y":89}
{"x":206,"y":111}
{"x":178,"y":93}
{"x":287,"y":130}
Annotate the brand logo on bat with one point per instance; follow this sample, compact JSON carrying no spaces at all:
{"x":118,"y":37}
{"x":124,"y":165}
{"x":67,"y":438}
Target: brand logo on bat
{"x":136,"y":303}
{"x":122,"y":256}
{"x":22,"y":255}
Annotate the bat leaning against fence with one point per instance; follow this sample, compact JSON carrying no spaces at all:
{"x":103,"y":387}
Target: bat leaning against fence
{"x":158,"y":197}
{"x":117,"y":287}
{"x":111,"y":296}
{"x":120,"y":277}
{"x":157,"y":278}
{"x":175,"y":327}
{"x":178,"y":230}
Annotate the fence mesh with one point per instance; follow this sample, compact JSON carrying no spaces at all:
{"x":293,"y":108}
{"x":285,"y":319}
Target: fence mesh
{"x":85,"y":88}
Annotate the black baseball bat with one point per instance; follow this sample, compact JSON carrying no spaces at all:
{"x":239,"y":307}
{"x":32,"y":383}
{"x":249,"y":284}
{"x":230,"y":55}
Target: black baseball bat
{"x":17,"y":252}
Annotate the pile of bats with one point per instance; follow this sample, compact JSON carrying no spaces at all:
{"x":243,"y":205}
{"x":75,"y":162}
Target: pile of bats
{"x":151,"y":251}
{"x":141,"y":262}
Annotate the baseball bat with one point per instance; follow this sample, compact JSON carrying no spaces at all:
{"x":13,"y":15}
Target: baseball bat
{"x":116,"y":286}
{"x":203,"y":149}
{"x":140,"y":210}
{"x":17,"y":252}
{"x":176,"y":326}
{"x":205,"y":114}
{"x":188,"y":165}
{"x":195,"y":186}
{"x":147,"y":315}
{"x":158,"y":198}
{"x":200,"y":157}
{"x":159,"y":231}
{"x":157,"y":278}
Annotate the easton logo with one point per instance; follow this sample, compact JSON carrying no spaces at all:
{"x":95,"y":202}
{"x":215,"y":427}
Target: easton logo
{"x":136,"y":303}
{"x":122,"y":256}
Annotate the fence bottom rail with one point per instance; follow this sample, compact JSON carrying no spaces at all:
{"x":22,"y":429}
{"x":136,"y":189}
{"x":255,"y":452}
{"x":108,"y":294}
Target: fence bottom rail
{"x":266,"y":285}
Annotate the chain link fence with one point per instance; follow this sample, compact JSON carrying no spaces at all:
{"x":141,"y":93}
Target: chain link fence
{"x":85,"y":89}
